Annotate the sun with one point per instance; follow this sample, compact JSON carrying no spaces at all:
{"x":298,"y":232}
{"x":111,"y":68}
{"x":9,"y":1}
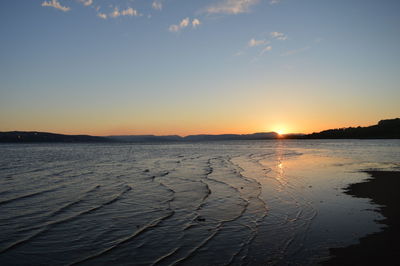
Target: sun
{"x":280,"y":131}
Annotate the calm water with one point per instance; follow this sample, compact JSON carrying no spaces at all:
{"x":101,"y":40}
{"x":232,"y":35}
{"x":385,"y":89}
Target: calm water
{"x":216,"y":203}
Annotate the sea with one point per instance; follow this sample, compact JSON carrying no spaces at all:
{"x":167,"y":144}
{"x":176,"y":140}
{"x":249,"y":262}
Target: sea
{"x":271,"y":202}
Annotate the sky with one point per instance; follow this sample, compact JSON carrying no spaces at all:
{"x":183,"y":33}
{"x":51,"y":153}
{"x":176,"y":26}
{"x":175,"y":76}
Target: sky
{"x":120,"y":67}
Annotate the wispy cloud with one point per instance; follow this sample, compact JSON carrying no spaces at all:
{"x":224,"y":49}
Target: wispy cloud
{"x":86,"y":2}
{"x":231,"y":6}
{"x":174,"y":28}
{"x":253,"y":42}
{"x":102,"y":15}
{"x":56,"y":5}
{"x":125,"y":12}
{"x":130,"y":12}
{"x":177,"y":27}
{"x":278,"y":35}
{"x":115,"y":13}
{"x":266,"y":49}
{"x":195,"y":23}
{"x":157,"y":5}
{"x":184,"y":23}
{"x":261,"y":45}
{"x":274,"y":2}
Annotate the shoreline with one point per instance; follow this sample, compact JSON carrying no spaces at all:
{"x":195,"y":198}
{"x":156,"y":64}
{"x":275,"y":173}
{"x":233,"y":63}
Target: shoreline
{"x":381,"y":247}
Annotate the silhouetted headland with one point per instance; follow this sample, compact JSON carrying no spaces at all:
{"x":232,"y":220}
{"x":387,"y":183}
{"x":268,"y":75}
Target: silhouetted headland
{"x":32,"y":136}
{"x":385,"y":129}
{"x":382,"y":247}
{"x":204,"y":137}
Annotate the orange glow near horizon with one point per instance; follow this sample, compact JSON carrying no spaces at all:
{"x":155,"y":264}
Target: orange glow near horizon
{"x":177,"y":124}
{"x":280,"y":129}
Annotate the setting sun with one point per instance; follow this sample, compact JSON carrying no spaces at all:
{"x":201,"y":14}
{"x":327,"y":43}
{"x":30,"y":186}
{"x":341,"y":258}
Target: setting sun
{"x":280,"y":130}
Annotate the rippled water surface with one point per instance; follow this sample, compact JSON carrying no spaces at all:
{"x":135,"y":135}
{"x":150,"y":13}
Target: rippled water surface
{"x":215,"y":203}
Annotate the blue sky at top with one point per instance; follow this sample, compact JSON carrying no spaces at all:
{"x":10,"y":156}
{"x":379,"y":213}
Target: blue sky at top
{"x":231,"y":65}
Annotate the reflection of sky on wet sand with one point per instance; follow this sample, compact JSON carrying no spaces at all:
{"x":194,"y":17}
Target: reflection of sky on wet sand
{"x":306,"y":185}
{"x":252,"y":202}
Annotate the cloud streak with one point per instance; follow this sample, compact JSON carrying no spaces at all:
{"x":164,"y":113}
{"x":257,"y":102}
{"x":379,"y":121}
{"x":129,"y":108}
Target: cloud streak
{"x":115,"y":11}
{"x":86,"y":2}
{"x":130,"y":12}
{"x":56,"y":5}
{"x":231,"y":6}
{"x":253,"y":42}
{"x":126,"y":12}
{"x":274,"y":2}
{"x":266,"y":49}
{"x":184,"y":23}
{"x":157,"y":5}
{"x":195,"y":23}
{"x":102,"y":15}
{"x":262,"y":45}
{"x":278,"y":35}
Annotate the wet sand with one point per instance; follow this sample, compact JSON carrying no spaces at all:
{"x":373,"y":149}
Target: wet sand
{"x":219,"y":203}
{"x":380,"y":248}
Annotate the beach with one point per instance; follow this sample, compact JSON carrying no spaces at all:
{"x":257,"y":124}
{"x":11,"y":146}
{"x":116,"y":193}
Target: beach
{"x":382,"y":247}
{"x":210,"y":203}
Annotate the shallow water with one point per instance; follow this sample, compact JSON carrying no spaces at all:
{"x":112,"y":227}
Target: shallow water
{"x":215,"y":203}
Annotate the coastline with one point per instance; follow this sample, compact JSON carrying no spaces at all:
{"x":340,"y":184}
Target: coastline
{"x":381,"y":247}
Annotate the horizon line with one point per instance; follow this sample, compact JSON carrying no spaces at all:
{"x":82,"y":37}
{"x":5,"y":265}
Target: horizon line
{"x":196,"y":134}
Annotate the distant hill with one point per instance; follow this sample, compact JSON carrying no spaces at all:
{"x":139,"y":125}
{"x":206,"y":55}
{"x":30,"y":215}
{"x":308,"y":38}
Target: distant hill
{"x":254,"y":136}
{"x":29,"y":137}
{"x":153,"y":138}
{"x":385,"y":129}
{"x":145,"y":138}
{"x":32,"y":136}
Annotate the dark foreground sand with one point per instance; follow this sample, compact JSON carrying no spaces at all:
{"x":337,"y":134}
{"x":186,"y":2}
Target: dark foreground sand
{"x":382,"y":248}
